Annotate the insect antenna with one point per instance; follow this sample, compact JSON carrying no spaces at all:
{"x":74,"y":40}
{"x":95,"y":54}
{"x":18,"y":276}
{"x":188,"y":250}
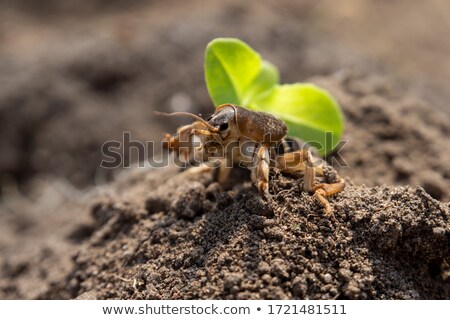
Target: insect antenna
{"x":210,"y":127}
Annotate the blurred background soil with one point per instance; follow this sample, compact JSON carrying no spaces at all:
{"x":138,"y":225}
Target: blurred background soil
{"x":75,"y":74}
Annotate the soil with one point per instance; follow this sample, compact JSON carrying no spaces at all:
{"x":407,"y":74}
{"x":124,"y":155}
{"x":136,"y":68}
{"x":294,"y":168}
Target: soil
{"x":191,"y":239}
{"x":69,"y":229}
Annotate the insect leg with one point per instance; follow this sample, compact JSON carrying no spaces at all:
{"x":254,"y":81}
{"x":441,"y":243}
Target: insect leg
{"x":203,"y":132}
{"x":260,"y":172}
{"x":224,"y":172}
{"x":302,"y":160}
{"x":180,"y":142}
{"x":327,"y":189}
{"x":297,"y":161}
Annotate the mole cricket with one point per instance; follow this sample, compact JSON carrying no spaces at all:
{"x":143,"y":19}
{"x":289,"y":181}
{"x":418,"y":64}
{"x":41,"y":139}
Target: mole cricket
{"x":255,"y":140}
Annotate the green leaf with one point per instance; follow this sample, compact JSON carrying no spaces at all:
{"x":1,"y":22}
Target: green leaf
{"x":266,"y":79}
{"x":235,"y":73}
{"x":310,"y":113}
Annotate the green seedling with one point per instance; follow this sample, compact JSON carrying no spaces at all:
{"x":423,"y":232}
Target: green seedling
{"x":236,"y":74}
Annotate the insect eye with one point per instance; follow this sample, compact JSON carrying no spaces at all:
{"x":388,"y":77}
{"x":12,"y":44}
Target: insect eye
{"x":223,"y":126}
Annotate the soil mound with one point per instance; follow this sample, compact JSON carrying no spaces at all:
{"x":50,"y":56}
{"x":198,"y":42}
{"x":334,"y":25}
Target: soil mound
{"x":188,"y":239}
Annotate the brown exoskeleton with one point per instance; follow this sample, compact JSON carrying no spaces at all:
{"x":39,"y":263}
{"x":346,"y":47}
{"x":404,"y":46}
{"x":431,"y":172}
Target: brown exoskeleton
{"x":251,"y":139}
